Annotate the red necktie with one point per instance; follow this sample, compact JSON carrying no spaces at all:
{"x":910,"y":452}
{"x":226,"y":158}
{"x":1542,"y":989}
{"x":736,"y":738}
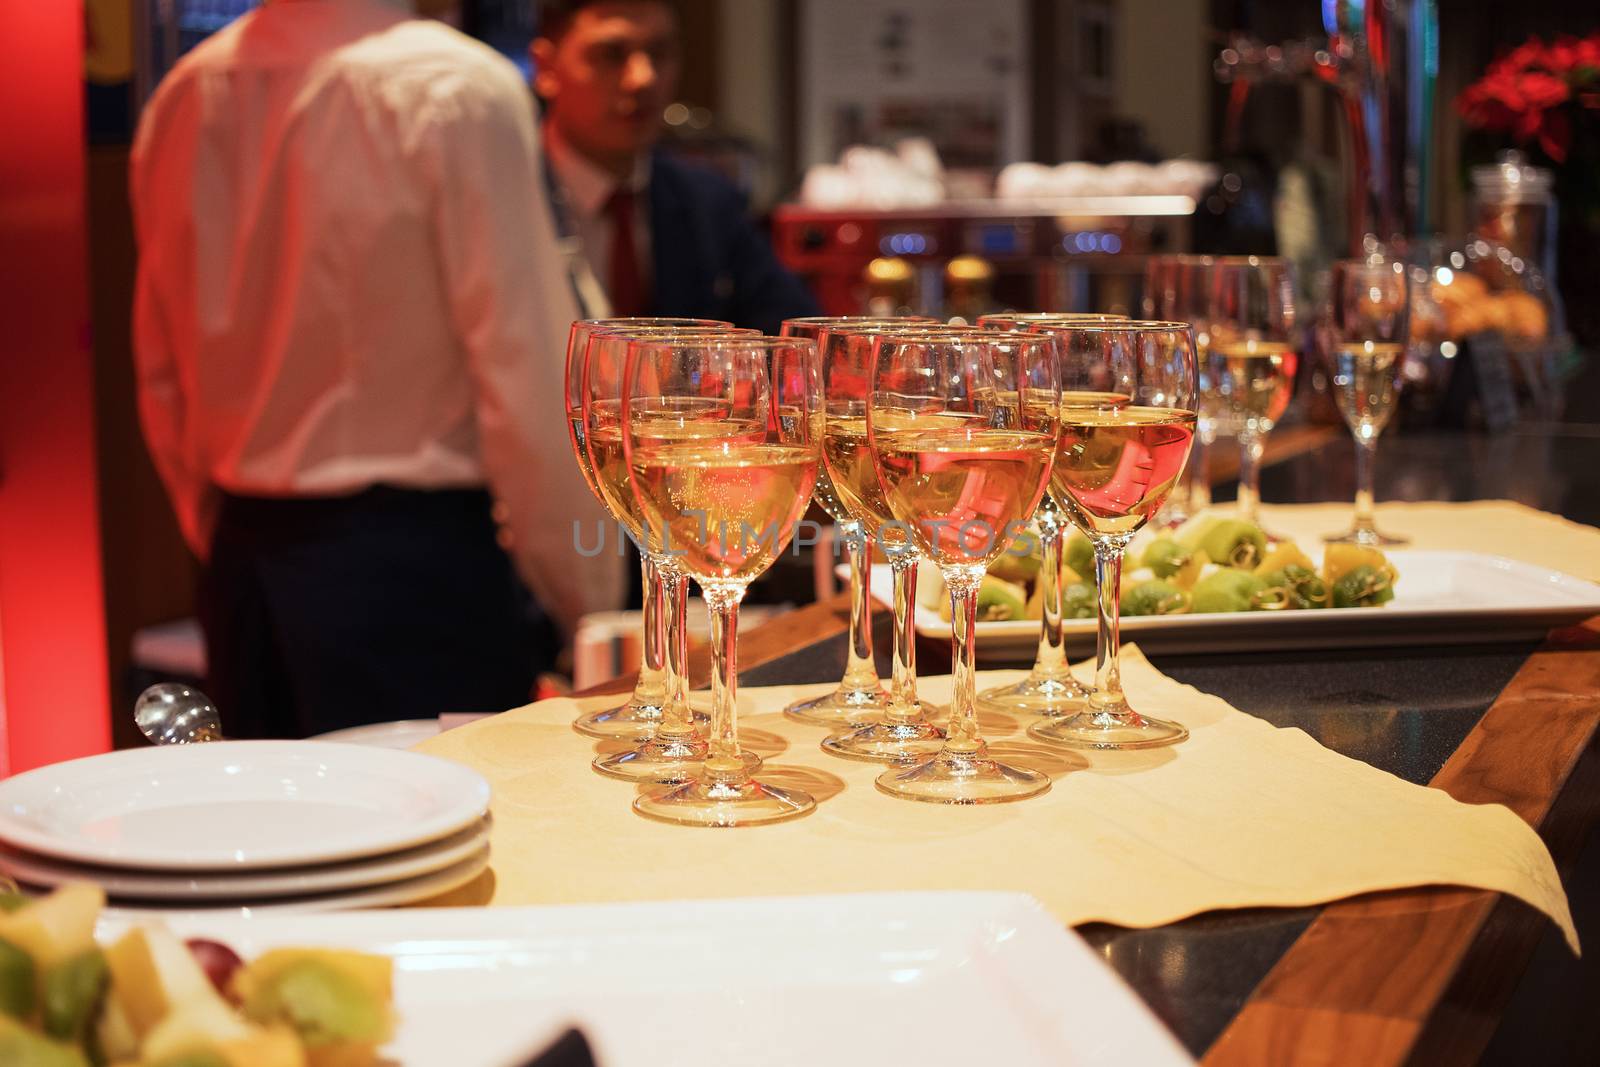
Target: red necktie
{"x":628,"y":296}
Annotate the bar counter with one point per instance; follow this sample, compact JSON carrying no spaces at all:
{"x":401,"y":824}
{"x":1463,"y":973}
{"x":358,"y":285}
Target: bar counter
{"x":1433,"y":975}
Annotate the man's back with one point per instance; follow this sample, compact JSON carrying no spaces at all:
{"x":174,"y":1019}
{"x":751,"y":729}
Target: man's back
{"x":285,"y":182}
{"x":350,"y":321}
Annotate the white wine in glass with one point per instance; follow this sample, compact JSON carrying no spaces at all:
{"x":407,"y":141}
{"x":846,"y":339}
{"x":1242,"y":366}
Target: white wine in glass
{"x":904,"y":732}
{"x":1250,"y":363}
{"x":723,"y":508}
{"x":638,"y":716}
{"x":672,"y":751}
{"x":1114,"y":467}
{"x":1365,"y":328}
{"x":859,"y":698}
{"x":963,"y":430}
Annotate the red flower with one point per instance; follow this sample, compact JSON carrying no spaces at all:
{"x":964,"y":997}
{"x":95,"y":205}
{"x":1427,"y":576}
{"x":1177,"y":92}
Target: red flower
{"x":1555,"y":135}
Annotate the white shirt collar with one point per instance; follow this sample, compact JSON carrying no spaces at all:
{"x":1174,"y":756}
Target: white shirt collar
{"x":588,"y":186}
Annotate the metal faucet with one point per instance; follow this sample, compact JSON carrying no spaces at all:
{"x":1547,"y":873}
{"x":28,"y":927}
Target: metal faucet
{"x":1382,"y":58}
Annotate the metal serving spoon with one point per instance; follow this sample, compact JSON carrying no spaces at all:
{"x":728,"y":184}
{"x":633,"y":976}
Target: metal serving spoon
{"x":171,"y":713}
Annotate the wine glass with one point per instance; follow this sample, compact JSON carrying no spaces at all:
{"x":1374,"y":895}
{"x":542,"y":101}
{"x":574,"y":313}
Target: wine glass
{"x":846,"y":352}
{"x":962,"y":429}
{"x":1250,"y":362}
{"x":639,"y":715}
{"x":1049,"y":688}
{"x":1177,"y":288}
{"x":1127,"y":421}
{"x":672,"y":752}
{"x":724,"y":506}
{"x":859,"y":698}
{"x":1364,"y":334}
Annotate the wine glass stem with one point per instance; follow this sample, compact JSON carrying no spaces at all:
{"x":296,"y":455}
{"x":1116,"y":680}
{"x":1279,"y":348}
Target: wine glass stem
{"x":961,"y":735}
{"x":677,"y":721}
{"x":860,"y":673}
{"x":1366,"y":507}
{"x":903,"y":706}
{"x":1107,"y":696}
{"x":651,"y":687}
{"x":1051,"y":660}
{"x":724,"y":760}
{"x":1251,"y":446}
{"x":1200,"y":470}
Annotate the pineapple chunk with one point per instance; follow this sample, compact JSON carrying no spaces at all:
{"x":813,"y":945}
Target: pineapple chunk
{"x":1285,"y":554}
{"x":201,"y":1024}
{"x":152,"y":975}
{"x":1339,"y":560}
{"x":58,"y":927}
{"x":1187,"y":575}
{"x":277,"y":1046}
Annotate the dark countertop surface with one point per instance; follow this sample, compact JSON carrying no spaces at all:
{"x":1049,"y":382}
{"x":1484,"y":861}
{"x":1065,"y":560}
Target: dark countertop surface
{"x":1403,"y":710}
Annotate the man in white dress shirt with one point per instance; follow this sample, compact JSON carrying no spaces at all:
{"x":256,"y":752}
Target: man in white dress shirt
{"x":349,"y":330}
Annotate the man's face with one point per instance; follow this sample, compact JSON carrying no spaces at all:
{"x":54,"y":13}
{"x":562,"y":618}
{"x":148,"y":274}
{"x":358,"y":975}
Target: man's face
{"x":606,"y":81}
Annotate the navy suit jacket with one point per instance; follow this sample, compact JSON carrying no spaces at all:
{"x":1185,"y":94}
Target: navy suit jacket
{"x":709,"y":260}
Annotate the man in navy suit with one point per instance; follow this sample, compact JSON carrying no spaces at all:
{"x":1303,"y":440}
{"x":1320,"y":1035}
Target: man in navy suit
{"x":649,"y":235}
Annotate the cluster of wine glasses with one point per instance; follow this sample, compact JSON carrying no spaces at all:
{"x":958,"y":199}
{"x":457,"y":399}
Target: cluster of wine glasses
{"x":925,"y":442}
{"x":1243,"y":309}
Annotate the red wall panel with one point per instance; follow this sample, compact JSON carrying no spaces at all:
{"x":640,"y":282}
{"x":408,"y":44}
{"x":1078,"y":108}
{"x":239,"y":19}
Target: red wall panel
{"x":53,"y":682}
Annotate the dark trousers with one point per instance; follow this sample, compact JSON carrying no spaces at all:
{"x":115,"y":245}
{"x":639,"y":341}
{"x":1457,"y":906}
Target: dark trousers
{"x":389,"y":604}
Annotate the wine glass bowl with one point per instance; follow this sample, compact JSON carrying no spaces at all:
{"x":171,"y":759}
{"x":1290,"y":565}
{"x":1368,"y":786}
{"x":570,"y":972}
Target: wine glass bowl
{"x":961,"y":428}
{"x":1127,"y":421}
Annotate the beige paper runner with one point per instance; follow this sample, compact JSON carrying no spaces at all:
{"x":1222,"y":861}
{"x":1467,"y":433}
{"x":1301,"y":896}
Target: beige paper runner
{"x":1242,"y":814}
{"x":1493,"y":527}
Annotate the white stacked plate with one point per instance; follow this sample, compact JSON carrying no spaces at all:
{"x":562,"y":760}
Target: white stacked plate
{"x":249,"y":826}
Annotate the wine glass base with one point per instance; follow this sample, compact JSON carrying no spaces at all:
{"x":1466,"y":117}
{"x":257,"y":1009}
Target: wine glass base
{"x":1104,"y":730}
{"x":963,"y":778}
{"x":887,"y":742}
{"x":842,"y":707}
{"x":722,"y":803}
{"x":1367,"y":538}
{"x":664,"y":763}
{"x":1050,"y":697}
{"x":628,"y":722}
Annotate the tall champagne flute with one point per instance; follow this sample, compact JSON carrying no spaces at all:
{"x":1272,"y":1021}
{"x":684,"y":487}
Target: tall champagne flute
{"x":903,"y":733}
{"x":639,"y":715}
{"x":859,"y":698}
{"x":1049,"y":688}
{"x":1177,"y":288}
{"x":963,"y":430}
{"x":1250,"y":362}
{"x":672,"y":753}
{"x":1364,"y":333}
{"x":725,"y":507}
{"x":1115,"y":465}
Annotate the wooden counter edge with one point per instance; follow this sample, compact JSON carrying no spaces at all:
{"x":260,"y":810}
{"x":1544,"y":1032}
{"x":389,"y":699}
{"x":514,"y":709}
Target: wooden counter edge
{"x":1422,"y":975}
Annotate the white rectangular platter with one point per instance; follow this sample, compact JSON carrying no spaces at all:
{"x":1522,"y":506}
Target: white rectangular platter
{"x":1440,"y":598}
{"x":928,"y":978}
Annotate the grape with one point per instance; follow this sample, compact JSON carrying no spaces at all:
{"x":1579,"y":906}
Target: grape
{"x":217,"y":960}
